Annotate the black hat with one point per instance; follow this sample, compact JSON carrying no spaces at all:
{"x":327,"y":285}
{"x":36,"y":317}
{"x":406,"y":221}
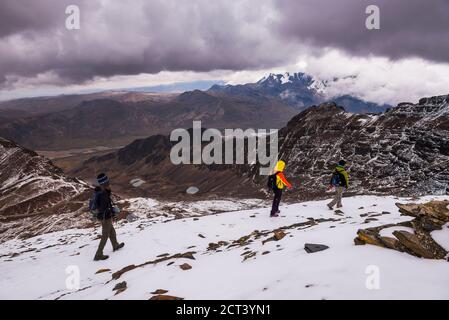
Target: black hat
{"x":102,"y":179}
{"x":342,"y":163}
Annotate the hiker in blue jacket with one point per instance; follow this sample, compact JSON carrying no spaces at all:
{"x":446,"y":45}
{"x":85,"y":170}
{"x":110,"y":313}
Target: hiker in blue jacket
{"x":105,"y":215}
{"x":339,"y":181}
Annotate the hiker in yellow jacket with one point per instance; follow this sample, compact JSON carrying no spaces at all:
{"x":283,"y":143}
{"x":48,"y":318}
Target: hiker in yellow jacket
{"x":340,"y":181}
{"x":281,"y":183}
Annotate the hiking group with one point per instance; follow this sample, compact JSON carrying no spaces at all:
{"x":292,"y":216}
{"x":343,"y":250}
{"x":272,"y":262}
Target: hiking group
{"x":277,"y":183}
{"x":103,"y":209}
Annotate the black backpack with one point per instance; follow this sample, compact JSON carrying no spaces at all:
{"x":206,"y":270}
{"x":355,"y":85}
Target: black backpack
{"x":271,"y":183}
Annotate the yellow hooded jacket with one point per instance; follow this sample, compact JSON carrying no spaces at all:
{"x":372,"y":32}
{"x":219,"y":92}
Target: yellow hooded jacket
{"x":281,"y":181}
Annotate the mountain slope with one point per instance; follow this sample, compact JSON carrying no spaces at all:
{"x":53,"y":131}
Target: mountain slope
{"x":232,"y":258}
{"x":143,"y":168}
{"x":403,"y":151}
{"x":34,"y":194}
{"x":115,"y":122}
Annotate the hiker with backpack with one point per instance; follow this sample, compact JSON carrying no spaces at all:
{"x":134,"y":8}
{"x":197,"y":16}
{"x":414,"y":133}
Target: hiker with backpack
{"x":339,"y":181}
{"x":277,"y":182}
{"x":102,"y":206}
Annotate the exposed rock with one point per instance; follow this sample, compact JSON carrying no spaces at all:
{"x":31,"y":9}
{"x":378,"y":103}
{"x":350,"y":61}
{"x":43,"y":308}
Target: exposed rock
{"x":249,"y":255}
{"x":185,"y":266}
{"x":159,"y":291}
{"x":102,"y":271}
{"x":428,"y":217}
{"x":188,"y":255}
{"x":436,"y":211}
{"x":339,"y":212}
{"x":278,"y":235}
{"x":118,"y":274}
{"x":165,"y":297}
{"x":369,"y":237}
{"x":120,"y":287}
{"x":311,"y":247}
{"x":391,"y":243}
{"x":411,"y":242}
{"x":215,"y":246}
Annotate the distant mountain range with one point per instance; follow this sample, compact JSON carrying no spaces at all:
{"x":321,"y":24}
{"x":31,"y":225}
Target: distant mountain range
{"x":300,"y":91}
{"x":116,"y":118}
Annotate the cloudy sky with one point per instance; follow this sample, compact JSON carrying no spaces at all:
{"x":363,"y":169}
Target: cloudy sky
{"x":132,"y":43}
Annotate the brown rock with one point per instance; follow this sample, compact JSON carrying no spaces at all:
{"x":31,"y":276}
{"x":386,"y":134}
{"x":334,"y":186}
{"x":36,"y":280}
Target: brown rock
{"x":249,"y":255}
{"x":278,"y":235}
{"x":120,"y":287}
{"x":369,"y":237}
{"x":119,"y":273}
{"x":159,"y":291}
{"x":188,"y":255}
{"x":213,"y":246}
{"x":411,"y":242}
{"x":165,"y":297}
{"x":437,"y":210}
{"x":391,"y":243}
{"x":185,"y":266}
{"x":102,"y":271}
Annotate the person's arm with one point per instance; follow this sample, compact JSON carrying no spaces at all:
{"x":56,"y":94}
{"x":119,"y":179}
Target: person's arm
{"x":284,"y":180}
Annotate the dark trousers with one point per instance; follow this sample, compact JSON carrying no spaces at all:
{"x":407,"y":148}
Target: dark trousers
{"x":107,"y":232}
{"x":276,"y":201}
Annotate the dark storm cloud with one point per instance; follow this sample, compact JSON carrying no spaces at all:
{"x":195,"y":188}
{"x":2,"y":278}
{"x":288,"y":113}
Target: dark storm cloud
{"x":131,"y":37}
{"x":19,"y":16}
{"x":407,"y":27}
{"x":137,"y":36}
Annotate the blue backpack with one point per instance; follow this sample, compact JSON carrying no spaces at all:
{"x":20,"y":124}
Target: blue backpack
{"x":93,"y":208}
{"x":335,"y":181}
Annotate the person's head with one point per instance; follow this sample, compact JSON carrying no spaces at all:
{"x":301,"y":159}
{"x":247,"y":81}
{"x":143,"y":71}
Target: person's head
{"x":103,"y":181}
{"x":280,"y":166}
{"x":342,"y":163}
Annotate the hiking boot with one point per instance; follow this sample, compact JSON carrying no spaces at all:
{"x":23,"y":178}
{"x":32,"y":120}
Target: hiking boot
{"x":329,"y":206}
{"x":100,"y":257}
{"x":121,"y":245}
{"x":340,"y":206}
{"x":274,"y":215}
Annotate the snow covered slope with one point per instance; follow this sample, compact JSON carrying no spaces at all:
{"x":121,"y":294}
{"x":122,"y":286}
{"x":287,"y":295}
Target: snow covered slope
{"x":32,"y":190}
{"x":236,"y":255}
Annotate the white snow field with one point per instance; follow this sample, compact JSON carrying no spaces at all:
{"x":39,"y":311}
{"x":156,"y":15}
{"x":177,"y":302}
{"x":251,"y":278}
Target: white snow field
{"x":45,"y":267}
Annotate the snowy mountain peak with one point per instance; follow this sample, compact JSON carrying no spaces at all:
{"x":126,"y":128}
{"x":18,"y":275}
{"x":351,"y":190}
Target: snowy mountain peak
{"x":285,"y":78}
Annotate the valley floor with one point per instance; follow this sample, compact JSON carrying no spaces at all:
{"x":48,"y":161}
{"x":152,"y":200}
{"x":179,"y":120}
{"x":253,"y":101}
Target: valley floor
{"x":243,"y":266}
